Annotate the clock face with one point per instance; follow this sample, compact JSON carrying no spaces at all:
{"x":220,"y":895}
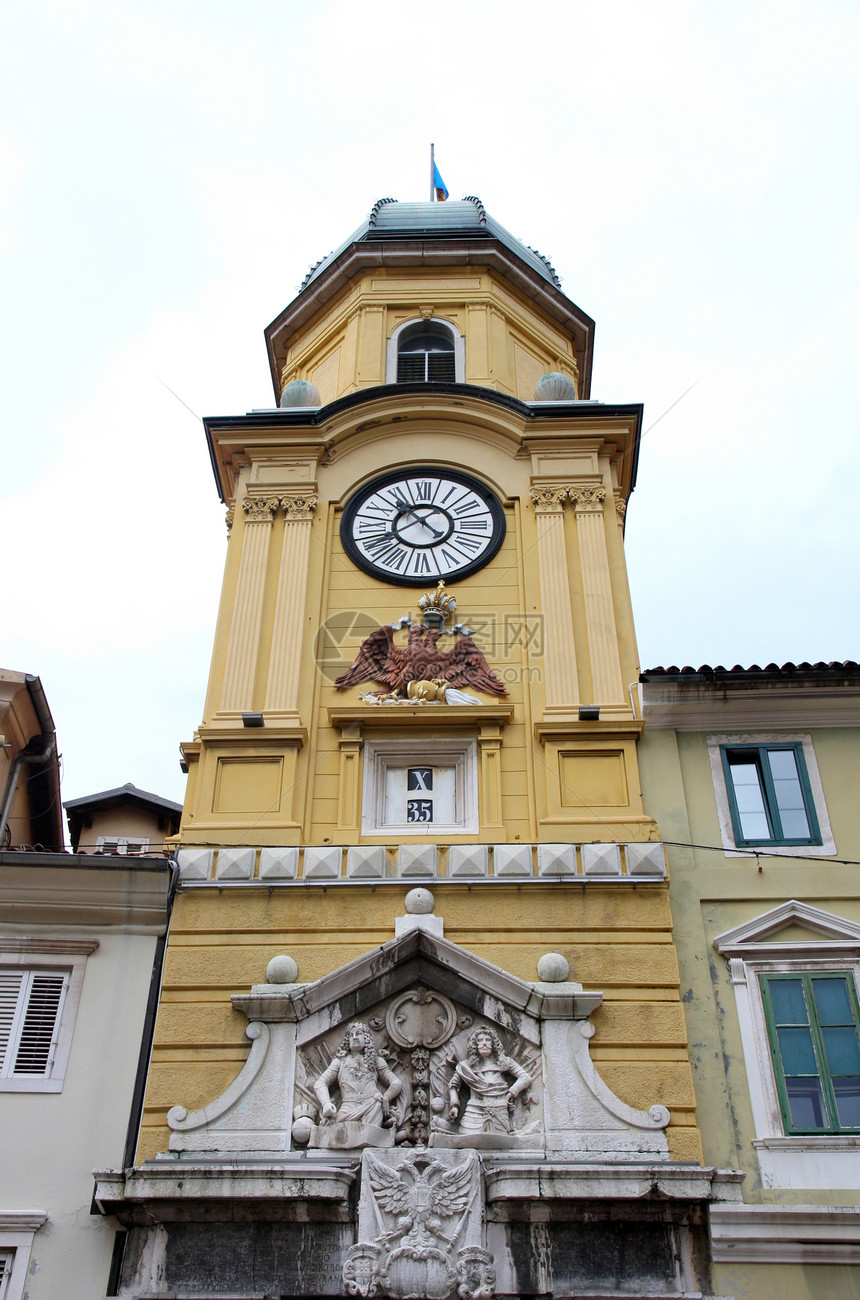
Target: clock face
{"x":416,"y":526}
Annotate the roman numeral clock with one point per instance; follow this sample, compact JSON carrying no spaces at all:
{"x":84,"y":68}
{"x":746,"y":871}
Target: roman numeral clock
{"x":408,"y":527}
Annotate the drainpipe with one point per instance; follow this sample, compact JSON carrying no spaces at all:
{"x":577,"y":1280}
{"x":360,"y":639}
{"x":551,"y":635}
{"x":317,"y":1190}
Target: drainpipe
{"x":47,"y":740}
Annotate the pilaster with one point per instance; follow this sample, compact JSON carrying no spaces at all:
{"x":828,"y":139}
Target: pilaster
{"x":244,"y":641}
{"x":283,"y":682}
{"x":606,"y":675}
{"x":562,"y":686}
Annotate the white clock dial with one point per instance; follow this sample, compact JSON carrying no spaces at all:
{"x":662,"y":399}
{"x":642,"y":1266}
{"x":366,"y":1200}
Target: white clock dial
{"x":417,"y":527}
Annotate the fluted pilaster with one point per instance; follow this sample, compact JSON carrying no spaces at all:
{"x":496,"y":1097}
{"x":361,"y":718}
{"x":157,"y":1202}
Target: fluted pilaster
{"x":282,"y":687}
{"x":606,"y":673}
{"x":244,"y":643}
{"x":561,"y":683}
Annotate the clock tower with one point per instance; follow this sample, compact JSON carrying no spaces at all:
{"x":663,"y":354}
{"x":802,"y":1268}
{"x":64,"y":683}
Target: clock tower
{"x":416,"y":872}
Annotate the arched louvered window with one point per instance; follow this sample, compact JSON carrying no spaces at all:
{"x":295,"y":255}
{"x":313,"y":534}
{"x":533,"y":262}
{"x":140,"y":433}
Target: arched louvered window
{"x":425,"y":354}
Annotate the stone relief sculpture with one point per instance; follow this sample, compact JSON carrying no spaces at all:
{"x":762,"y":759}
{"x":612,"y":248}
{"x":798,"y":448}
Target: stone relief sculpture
{"x":418,"y":1073}
{"x":367,"y":1087}
{"x":496,"y":1088}
{"x":485,"y":1072}
{"x":420,"y":1211}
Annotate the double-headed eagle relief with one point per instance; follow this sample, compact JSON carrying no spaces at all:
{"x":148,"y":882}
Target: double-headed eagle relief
{"x":419,"y":671}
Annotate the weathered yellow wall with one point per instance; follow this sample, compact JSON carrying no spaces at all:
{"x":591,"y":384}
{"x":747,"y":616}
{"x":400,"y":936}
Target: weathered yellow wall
{"x":615,"y":939}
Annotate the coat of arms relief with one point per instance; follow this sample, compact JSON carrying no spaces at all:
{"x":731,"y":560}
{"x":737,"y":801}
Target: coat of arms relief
{"x":418,"y":1086}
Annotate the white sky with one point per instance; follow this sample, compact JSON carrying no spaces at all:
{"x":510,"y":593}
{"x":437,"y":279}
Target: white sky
{"x":172,"y":167}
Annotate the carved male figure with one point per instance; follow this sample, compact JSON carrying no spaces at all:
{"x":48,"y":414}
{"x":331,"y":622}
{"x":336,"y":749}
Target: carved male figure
{"x":486,"y":1072}
{"x":357,"y":1070}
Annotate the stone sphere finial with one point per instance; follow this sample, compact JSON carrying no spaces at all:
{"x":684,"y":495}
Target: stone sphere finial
{"x":553,"y":968}
{"x":553,"y":387}
{"x":282,"y":970}
{"x":419,"y":902}
{"x":300,"y":392}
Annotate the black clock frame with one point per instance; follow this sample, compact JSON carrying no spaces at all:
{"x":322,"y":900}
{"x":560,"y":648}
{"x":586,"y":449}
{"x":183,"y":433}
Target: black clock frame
{"x":393,"y":476}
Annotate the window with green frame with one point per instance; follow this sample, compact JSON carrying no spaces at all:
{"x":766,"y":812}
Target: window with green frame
{"x":812,"y":1024}
{"x":769,"y":795}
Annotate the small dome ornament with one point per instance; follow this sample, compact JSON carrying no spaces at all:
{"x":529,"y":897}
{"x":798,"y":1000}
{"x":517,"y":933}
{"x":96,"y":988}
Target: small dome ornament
{"x":553,"y":968}
{"x":300,"y":392}
{"x":555,"y":387}
{"x":420,"y":902}
{"x":282,"y":970}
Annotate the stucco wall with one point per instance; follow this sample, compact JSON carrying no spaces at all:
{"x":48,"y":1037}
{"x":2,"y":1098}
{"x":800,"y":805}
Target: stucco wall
{"x":53,"y":1141}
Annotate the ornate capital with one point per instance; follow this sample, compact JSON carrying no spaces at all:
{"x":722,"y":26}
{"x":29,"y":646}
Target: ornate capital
{"x":260,"y":510}
{"x":620,"y":507}
{"x":299,"y":506}
{"x":588,"y":499}
{"x":548,"y":500}
{"x":229,"y":517}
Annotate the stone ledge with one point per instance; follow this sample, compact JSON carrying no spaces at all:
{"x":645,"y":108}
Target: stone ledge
{"x":785,"y":1234}
{"x":168,"y":1190}
{"x":569,"y":1181}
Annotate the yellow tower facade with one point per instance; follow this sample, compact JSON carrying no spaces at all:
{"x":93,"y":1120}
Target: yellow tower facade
{"x":415,"y":784}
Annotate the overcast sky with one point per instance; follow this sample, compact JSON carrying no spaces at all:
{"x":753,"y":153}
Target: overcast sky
{"x":172,"y":167}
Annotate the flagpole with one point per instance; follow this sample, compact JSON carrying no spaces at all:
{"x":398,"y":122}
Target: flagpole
{"x":432,"y":173}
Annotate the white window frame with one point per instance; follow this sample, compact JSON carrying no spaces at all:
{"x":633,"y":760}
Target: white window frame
{"x":124,"y":843}
{"x":58,"y":956}
{"x":738,"y":740}
{"x":807,"y":1161}
{"x":17,"y":1229}
{"x":381,"y":755}
{"x":393,"y":345}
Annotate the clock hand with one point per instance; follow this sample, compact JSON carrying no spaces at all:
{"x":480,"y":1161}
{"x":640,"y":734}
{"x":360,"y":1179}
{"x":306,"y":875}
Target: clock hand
{"x":407,"y":509}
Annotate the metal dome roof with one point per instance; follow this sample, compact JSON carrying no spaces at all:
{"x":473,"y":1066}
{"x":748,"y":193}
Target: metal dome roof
{"x":389,"y":219}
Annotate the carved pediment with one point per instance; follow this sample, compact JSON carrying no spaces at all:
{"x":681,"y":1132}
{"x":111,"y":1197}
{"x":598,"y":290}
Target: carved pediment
{"x":793,"y":928}
{"x":419,"y":1044}
{"x":419,"y":957}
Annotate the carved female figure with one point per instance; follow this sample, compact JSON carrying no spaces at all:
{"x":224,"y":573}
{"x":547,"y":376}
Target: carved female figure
{"x":357,"y":1071}
{"x":486,"y":1072}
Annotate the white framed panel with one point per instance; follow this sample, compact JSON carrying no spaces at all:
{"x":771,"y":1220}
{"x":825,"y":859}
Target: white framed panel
{"x":386,"y":799}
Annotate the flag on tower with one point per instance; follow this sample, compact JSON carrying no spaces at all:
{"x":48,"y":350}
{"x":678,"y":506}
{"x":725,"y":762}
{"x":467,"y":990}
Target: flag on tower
{"x":439,"y":185}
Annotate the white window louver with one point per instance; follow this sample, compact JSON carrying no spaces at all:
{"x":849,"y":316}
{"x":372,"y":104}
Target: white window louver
{"x":6,"y":1257}
{"x":31,"y":1003}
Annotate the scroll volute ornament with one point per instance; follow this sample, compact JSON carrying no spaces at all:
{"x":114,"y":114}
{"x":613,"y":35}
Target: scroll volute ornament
{"x":259,"y":510}
{"x":549,"y":500}
{"x":588,"y":500}
{"x":299,"y":506}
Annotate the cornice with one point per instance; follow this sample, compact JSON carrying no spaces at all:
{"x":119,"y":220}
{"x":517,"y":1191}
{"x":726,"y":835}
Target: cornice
{"x":129,"y":899}
{"x":702,"y":707}
{"x":313,"y":431}
{"x":432,"y":717}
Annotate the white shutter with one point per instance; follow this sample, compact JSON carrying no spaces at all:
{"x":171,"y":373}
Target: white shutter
{"x":10,"y":992}
{"x":31,"y":1003}
{"x":6,"y":1257}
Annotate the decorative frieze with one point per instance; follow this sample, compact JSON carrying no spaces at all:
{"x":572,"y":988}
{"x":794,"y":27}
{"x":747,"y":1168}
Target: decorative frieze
{"x":475,"y":863}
